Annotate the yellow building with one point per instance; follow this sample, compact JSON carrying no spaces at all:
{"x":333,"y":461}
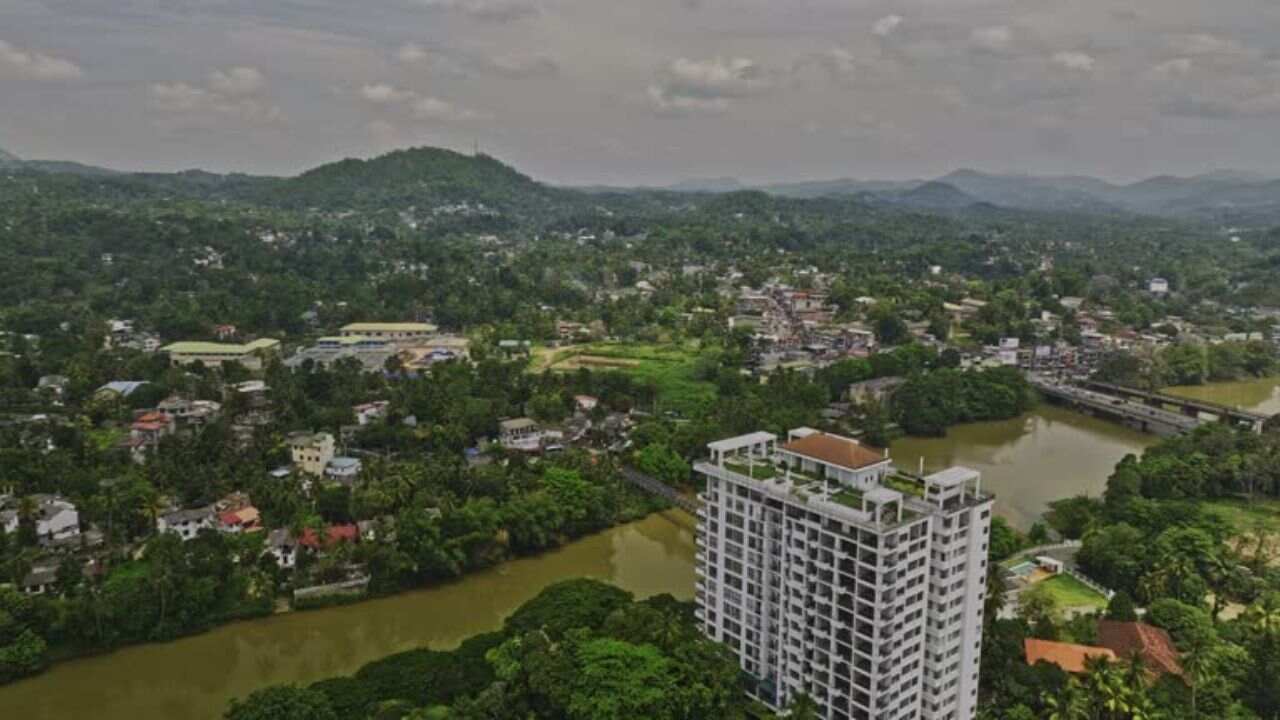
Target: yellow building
{"x":251,"y":354}
{"x":394,"y":332}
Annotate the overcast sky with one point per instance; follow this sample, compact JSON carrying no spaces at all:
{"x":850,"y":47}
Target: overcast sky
{"x":650,"y":91}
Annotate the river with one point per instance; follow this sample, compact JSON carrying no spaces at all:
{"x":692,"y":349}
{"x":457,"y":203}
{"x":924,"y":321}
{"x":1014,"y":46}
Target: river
{"x":1046,"y":454}
{"x":195,"y":677}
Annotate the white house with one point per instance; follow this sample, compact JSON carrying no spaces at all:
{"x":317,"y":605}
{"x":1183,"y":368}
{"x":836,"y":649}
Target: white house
{"x":1158,"y":286}
{"x":187,"y":523}
{"x":368,"y":412}
{"x":56,"y":518}
{"x":343,"y":469}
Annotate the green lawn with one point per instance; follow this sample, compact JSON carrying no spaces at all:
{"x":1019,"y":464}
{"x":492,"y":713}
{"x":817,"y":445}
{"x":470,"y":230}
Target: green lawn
{"x":1247,"y":516}
{"x":1070,"y":592}
{"x":759,"y":471}
{"x":670,"y":367}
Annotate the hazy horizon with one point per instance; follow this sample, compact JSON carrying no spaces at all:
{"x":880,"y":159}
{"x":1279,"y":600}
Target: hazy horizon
{"x":578,"y":92}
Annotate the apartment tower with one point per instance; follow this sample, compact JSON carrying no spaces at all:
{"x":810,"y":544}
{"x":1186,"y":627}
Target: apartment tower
{"x":829,"y":572}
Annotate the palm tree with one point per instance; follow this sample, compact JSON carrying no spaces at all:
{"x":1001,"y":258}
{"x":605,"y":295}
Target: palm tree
{"x":1067,"y":705}
{"x":1197,"y":661}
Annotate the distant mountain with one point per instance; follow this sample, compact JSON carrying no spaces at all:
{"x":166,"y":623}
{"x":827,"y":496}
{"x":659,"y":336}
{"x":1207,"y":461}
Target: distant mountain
{"x":842,"y":186}
{"x":1028,"y":192}
{"x":8,"y":159}
{"x":707,"y":185}
{"x":68,"y":167}
{"x":932,"y":195}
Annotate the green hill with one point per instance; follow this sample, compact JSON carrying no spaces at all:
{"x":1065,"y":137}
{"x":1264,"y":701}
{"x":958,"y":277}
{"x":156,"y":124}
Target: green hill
{"x":418,"y":177}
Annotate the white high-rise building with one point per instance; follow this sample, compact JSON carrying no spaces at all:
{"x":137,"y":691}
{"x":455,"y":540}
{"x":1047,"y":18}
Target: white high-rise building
{"x":830,"y":573}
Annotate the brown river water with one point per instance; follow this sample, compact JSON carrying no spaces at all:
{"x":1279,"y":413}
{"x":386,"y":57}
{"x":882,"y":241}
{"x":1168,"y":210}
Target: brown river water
{"x":1027,"y":462}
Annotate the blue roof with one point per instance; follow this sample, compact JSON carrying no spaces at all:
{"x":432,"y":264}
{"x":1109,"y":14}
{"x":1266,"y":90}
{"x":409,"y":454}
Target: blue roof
{"x":124,"y":387}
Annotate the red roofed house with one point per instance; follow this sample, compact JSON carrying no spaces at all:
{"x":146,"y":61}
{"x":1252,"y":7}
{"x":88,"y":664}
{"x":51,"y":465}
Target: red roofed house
{"x":333,"y":535}
{"x":244,"y":519}
{"x":1068,"y":656}
{"x":146,"y":431}
{"x":1152,"y":644}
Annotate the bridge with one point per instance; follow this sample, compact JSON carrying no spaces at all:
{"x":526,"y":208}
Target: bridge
{"x":1189,"y":407}
{"x":1137,"y":415}
{"x":661,"y":489}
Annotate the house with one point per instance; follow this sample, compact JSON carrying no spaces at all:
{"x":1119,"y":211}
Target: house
{"x":214,"y":354}
{"x":187,"y":523}
{"x":343,"y":469}
{"x":53,"y":385}
{"x":311,"y":452}
{"x":240,"y":520}
{"x":519,"y":434}
{"x":585,"y":403}
{"x":56,"y":518}
{"x":1068,"y":656}
{"x":189,"y":412}
{"x":255,"y":392}
{"x":41,"y":579}
{"x":334,"y":535}
{"x":877,"y":389}
{"x":146,"y":432}
{"x":1152,"y":644}
{"x":1158,"y":286}
{"x":282,"y":546}
{"x":368,"y":412}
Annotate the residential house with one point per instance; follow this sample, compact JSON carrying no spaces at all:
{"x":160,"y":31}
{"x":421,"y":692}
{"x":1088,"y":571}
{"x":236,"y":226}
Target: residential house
{"x":1068,"y":656}
{"x":187,"y":523}
{"x":520,"y":434}
{"x":283,"y":547}
{"x":146,"y":433}
{"x":240,"y":520}
{"x":311,"y":452}
{"x":56,"y":518}
{"x":371,"y":411}
{"x":585,"y":403}
{"x":1152,"y":644}
{"x":343,"y":469}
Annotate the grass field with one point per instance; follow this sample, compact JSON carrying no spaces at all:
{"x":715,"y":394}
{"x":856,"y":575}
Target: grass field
{"x":1070,"y":592}
{"x":1247,"y":516}
{"x":671,"y":368}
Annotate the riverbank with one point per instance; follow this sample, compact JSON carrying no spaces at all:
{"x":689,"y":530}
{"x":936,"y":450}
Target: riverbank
{"x":1260,"y":395}
{"x":194,"y":678}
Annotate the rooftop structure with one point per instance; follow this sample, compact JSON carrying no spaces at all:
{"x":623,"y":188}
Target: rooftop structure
{"x":1068,"y":656}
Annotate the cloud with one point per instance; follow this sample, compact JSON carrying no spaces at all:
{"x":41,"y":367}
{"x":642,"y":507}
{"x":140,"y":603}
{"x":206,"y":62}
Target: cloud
{"x":488,"y":10}
{"x":383,"y":93}
{"x":421,"y":107}
{"x":36,"y":66}
{"x":435,"y":109}
{"x":995,"y":39}
{"x":1072,"y":60}
{"x":1206,"y":44}
{"x":236,"y":92}
{"x":685,"y":85}
{"x":411,"y":53}
{"x":525,"y":65}
{"x":1176,"y":66}
{"x":237,"y":81}
{"x":886,"y":25}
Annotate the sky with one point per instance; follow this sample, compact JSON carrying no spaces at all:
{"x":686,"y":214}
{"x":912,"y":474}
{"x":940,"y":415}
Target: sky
{"x":650,"y":91}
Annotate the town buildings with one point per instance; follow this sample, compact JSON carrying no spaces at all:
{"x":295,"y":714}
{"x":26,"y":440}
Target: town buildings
{"x":211,"y":354}
{"x":830,"y":573}
{"x":397,"y":332}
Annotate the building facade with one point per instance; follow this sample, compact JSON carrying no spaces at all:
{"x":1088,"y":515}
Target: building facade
{"x":830,"y":573}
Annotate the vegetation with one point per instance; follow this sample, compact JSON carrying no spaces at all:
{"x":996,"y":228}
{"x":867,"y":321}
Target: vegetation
{"x":581,"y":650}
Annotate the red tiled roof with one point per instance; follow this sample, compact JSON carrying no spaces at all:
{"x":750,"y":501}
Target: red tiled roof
{"x":335,"y":533}
{"x":835,"y":451}
{"x":1068,"y":656}
{"x":1152,"y":644}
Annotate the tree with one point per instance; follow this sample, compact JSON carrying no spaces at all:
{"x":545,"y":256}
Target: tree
{"x":1121,"y":608}
{"x":282,"y":702}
